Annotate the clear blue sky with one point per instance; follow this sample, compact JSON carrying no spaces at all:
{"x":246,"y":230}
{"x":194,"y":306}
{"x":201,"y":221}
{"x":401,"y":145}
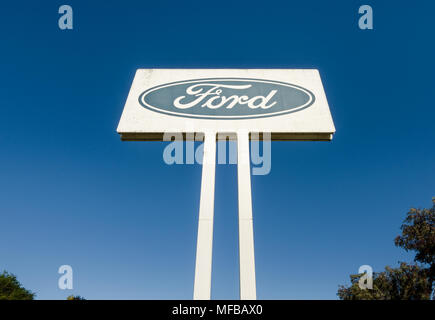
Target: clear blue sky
{"x":72,"y":193}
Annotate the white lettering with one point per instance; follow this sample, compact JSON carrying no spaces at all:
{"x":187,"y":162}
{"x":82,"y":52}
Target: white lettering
{"x":214,"y":99}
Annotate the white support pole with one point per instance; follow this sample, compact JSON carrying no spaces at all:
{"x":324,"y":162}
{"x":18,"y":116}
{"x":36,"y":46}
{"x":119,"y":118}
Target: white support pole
{"x":202,"y":284}
{"x":246,"y":233}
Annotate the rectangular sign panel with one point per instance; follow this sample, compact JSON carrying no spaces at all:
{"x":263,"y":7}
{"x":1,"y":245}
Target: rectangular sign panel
{"x":288,"y":103}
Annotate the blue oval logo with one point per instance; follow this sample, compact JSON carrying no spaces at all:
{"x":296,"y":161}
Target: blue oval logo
{"x":226,"y":98}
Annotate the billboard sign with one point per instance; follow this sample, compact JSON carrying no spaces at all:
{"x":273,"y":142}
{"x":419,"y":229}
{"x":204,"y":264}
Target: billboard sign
{"x":241,"y":104}
{"x":288,"y":103}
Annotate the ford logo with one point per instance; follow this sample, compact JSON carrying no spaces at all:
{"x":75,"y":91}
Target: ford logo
{"x":226,"y":98}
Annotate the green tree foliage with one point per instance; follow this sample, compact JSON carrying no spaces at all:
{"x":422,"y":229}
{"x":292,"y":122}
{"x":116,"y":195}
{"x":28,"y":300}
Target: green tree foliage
{"x":75,"y":298}
{"x":410,"y":282}
{"x":418,"y":234}
{"x":11,"y":289}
